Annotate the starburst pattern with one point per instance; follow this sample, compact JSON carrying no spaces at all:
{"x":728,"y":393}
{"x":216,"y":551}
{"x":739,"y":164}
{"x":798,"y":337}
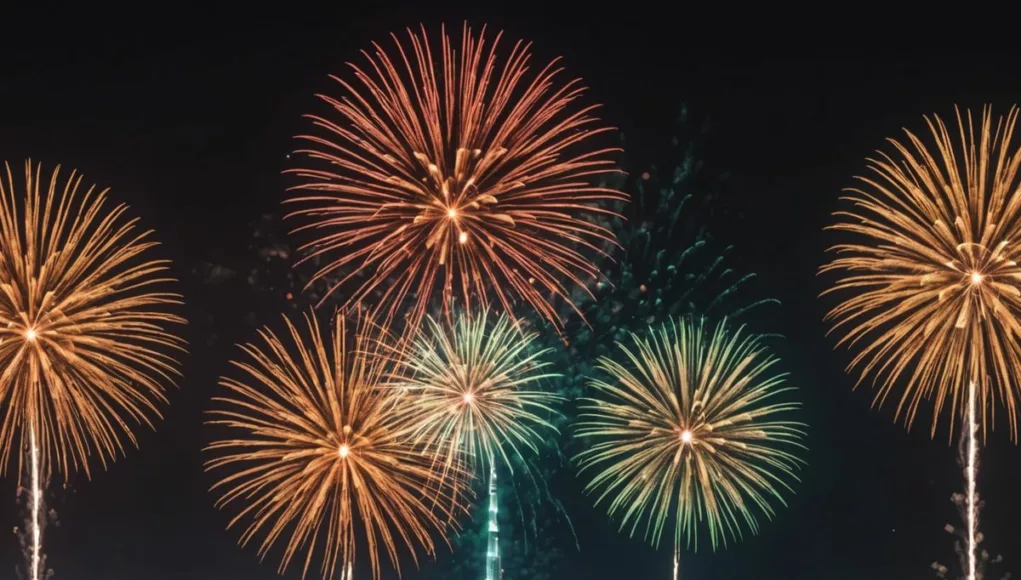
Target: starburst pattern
{"x":473,"y":180}
{"x":691,"y":429}
{"x":319,"y":455}
{"x":85,"y":333}
{"x":474,"y":392}
{"x":929,"y":280}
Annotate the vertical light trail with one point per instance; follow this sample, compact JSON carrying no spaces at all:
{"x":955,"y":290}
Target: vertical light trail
{"x":677,"y":550}
{"x":971,"y":474}
{"x":493,"y":571}
{"x":37,"y":534}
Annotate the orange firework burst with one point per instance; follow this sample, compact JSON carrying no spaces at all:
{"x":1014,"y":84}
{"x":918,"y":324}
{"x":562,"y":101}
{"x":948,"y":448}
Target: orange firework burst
{"x":320,"y":444}
{"x":84,"y":333}
{"x":933,"y":271}
{"x":474,"y":178}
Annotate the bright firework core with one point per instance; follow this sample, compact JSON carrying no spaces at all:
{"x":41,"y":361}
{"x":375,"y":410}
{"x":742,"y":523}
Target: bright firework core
{"x":452,"y":213}
{"x":469,"y":398}
{"x":344,"y":451}
{"x":30,"y":335}
{"x":686,"y":436}
{"x":976,"y":278}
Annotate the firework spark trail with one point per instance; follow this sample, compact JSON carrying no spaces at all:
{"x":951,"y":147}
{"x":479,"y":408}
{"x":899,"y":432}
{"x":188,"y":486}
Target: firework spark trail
{"x":972,"y":474}
{"x":37,"y":536}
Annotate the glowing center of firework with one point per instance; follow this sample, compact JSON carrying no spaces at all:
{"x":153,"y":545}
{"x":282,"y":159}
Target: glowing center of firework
{"x":452,"y":213}
{"x":976,"y":278}
{"x":686,"y":436}
{"x":30,"y":335}
{"x":344,"y":451}
{"x":469,"y":398}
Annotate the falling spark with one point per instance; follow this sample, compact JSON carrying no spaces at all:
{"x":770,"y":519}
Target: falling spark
{"x":443,"y":174}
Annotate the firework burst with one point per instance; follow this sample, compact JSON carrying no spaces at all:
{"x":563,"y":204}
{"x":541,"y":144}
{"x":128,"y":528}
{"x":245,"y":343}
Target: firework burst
{"x":320,"y":454}
{"x":85,"y":334}
{"x":932,"y":281}
{"x":691,"y":430}
{"x":474,"y":393}
{"x":472,"y":179}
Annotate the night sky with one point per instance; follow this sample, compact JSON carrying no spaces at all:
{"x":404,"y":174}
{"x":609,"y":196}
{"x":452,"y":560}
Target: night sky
{"x":188,"y":116}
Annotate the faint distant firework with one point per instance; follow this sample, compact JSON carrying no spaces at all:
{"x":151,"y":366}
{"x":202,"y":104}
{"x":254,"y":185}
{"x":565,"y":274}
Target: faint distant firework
{"x":929,"y":280}
{"x":455,"y":178}
{"x":86,"y":339}
{"x":689,"y":427}
{"x":669,"y":264}
{"x":320,"y":454}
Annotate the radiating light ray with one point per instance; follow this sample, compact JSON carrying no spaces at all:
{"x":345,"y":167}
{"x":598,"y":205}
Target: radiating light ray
{"x":475,"y":393}
{"x":320,"y":457}
{"x":690,"y":429}
{"x":457,"y":178}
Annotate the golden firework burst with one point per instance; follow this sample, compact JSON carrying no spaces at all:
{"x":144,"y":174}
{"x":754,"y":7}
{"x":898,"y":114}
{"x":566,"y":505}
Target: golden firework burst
{"x":85,"y":332}
{"x":320,"y":453}
{"x":929,"y":280}
{"x":471,"y":180}
{"x":473,"y":392}
{"x":690,"y":430}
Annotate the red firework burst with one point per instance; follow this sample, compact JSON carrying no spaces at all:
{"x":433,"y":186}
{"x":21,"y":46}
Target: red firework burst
{"x":468,"y":179}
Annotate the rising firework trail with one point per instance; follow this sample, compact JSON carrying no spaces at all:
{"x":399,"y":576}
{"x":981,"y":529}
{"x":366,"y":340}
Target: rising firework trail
{"x":446,"y":177}
{"x":86,"y":345}
{"x":690,"y":428}
{"x":929,"y":281}
{"x":972,"y":475}
{"x":36,"y":499}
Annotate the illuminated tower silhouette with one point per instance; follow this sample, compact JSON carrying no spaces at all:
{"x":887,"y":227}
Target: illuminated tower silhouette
{"x":493,"y":571}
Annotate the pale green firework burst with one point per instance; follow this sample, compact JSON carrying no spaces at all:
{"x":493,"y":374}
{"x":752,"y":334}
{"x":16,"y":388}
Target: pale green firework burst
{"x":690,"y":427}
{"x":475,"y":395}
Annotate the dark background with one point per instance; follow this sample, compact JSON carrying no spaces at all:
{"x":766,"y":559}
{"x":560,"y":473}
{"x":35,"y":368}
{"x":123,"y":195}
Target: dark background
{"x":188,"y":114}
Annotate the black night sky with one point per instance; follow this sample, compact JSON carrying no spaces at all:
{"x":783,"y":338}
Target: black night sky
{"x":188,"y":114}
